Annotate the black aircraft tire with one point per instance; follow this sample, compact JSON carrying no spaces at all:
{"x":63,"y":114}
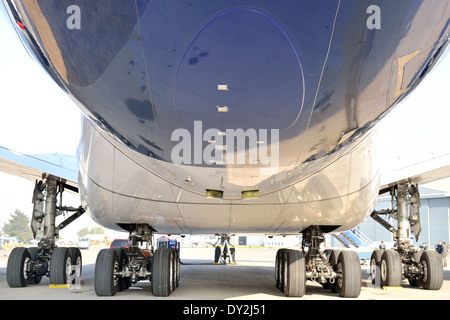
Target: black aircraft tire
{"x":433,"y":277}
{"x":349,"y":285}
{"x":375,"y":262}
{"x":333,"y":260}
{"x":176,"y":270}
{"x":280,"y":269}
{"x":17,"y":261}
{"x":217,"y":253}
{"x":162,"y":268}
{"x":277,"y":269}
{"x":295,"y":274}
{"x":105,"y":283}
{"x":60,"y":266}
{"x":233,"y":254}
{"x":77,"y":264}
{"x":391,"y":269}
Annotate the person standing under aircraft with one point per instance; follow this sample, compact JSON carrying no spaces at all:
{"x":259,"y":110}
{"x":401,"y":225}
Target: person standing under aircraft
{"x":440,"y":249}
{"x":444,"y":254}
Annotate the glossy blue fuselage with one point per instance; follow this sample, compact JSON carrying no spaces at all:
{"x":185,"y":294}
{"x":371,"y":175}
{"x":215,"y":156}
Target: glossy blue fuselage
{"x":313,"y":70}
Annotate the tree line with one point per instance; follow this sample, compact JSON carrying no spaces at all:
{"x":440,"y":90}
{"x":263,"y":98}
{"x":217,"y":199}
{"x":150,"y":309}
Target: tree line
{"x":18,"y":226}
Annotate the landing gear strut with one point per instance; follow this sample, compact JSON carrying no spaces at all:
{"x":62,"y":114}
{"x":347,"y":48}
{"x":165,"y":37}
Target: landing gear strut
{"x":117,"y":269}
{"x":61,"y":265}
{"x":389,"y":267}
{"x":340,"y":271}
{"x":224,"y":252}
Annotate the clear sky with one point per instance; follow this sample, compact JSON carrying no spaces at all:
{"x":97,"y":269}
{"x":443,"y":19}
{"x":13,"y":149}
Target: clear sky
{"x":37,"y":117}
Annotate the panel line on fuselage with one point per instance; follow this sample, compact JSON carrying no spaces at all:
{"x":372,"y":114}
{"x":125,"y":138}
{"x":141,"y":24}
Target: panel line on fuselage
{"x":230,"y":202}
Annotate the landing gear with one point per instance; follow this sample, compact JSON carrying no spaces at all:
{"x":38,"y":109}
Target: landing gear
{"x":340,"y":271}
{"x":117,"y":269}
{"x":61,"y":265}
{"x":388,"y":268}
{"x":421,"y":269}
{"x":224,"y":252}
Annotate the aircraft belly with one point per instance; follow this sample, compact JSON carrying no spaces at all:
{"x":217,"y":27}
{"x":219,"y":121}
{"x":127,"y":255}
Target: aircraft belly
{"x":340,"y":191}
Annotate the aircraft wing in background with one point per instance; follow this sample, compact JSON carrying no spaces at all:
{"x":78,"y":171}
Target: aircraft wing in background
{"x":423,"y":171}
{"x":32,"y":166}
{"x":405,"y":168}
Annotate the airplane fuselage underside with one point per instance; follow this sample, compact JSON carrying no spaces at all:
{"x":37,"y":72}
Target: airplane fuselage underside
{"x":338,"y":191}
{"x":233,"y":115}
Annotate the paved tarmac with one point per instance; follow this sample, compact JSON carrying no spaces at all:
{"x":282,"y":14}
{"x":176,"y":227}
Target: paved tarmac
{"x":251,"y":279}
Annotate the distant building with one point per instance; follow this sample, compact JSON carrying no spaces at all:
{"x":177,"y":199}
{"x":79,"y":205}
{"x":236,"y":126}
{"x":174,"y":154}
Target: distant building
{"x":282,"y":242}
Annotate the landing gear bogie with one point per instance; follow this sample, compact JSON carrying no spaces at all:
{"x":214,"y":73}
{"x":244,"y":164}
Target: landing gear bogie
{"x":339,"y":271}
{"x":390,"y":267}
{"x":224,"y":251}
{"x":117,"y":269}
{"x":62,"y":265}
{"x":28,"y":266}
